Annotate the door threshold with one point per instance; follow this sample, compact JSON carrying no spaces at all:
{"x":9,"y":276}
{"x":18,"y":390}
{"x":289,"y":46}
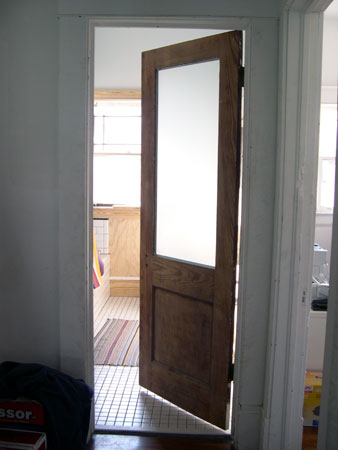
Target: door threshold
{"x":151,"y":431}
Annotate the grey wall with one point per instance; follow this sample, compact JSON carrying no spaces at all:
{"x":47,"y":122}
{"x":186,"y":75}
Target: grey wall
{"x":330,"y":59}
{"x":29,"y":318}
{"x":239,"y":8}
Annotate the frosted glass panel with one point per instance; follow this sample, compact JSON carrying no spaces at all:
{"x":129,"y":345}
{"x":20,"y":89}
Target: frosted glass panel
{"x":187,"y":146}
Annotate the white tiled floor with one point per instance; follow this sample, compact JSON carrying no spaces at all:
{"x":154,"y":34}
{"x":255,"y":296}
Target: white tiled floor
{"x":121,"y":404}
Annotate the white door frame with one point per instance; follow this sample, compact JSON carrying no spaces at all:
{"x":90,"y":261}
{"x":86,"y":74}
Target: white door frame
{"x":258,"y":414}
{"x":260,"y":54}
{"x":299,"y":106}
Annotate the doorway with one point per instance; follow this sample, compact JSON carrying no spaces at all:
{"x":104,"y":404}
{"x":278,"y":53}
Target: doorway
{"x":124,"y":283}
{"x":259,"y":183}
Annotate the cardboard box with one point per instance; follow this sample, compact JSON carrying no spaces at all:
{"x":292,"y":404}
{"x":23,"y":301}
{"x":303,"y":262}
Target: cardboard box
{"x":312,"y":394}
{"x":22,"y":440}
{"x":21,"y":413}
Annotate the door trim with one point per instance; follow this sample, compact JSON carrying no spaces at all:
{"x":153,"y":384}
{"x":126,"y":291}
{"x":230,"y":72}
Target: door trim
{"x":294,"y":228}
{"x":72,"y":61}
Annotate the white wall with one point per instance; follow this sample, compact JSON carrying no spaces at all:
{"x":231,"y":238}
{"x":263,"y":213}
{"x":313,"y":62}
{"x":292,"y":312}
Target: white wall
{"x":29,"y":265}
{"x":155,"y":8}
{"x":330,"y":59}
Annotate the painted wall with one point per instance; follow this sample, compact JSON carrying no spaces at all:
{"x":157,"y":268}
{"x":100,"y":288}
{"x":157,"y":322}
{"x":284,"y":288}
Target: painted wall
{"x":330,"y":59}
{"x":29,"y":265}
{"x":230,"y":8}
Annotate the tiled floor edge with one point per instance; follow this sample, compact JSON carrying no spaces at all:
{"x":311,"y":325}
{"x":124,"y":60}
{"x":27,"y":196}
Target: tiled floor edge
{"x":160,"y":431}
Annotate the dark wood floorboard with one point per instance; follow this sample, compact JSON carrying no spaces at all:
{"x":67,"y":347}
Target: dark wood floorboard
{"x":122,"y":442}
{"x":310,"y":435}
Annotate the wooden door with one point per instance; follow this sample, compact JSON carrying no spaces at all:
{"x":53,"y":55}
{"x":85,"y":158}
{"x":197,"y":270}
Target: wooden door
{"x":187,"y":302}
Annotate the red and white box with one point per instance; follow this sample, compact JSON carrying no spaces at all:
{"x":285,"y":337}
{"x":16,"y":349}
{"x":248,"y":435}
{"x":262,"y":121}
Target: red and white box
{"x":11,"y":439}
{"x":21,"y":413}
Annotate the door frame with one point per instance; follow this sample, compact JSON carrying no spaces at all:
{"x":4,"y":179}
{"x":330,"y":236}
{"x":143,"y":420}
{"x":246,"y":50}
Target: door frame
{"x":298,"y":136}
{"x":249,"y":415}
{"x":255,"y":418}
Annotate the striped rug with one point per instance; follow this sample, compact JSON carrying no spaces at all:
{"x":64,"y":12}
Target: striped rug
{"x":117,"y":343}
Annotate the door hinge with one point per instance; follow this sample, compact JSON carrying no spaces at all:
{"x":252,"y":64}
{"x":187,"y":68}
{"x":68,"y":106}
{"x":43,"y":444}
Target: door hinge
{"x":231,"y":372}
{"x":241,"y":76}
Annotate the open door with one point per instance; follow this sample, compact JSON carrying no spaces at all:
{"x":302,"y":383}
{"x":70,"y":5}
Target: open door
{"x":191,"y":97}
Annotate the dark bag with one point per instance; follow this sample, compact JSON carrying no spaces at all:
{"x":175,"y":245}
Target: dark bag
{"x":66,"y":401}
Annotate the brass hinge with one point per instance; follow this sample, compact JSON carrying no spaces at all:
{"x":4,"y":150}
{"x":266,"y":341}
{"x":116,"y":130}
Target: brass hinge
{"x":241,"y":76}
{"x":231,"y":372}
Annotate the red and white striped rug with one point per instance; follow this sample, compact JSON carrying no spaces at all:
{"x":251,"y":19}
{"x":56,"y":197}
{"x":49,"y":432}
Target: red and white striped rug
{"x":117,"y":343}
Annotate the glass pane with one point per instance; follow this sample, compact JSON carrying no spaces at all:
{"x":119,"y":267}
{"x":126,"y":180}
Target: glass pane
{"x":117,"y":179}
{"x":187,"y":147}
{"x":122,"y":130}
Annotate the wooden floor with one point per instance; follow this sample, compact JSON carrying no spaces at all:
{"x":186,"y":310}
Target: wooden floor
{"x":121,"y":442}
{"x":105,"y":441}
{"x":310,"y":435}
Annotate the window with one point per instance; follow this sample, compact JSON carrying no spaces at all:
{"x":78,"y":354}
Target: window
{"x":117,"y":152}
{"x":327,"y":158}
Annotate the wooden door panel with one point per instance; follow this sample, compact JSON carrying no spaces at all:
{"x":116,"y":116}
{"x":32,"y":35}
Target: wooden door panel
{"x":185,"y":278}
{"x":193,"y":396}
{"x":182,"y":334}
{"x":186,"y":309}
